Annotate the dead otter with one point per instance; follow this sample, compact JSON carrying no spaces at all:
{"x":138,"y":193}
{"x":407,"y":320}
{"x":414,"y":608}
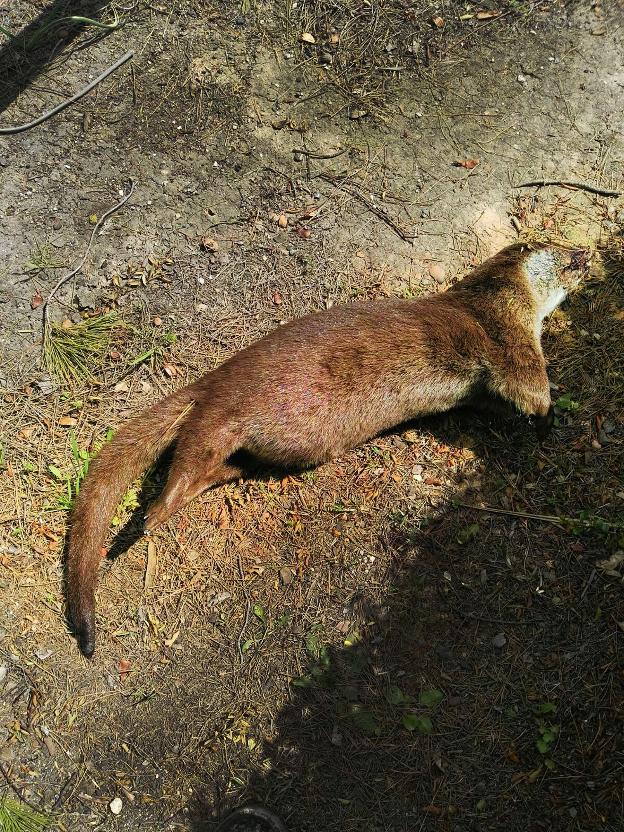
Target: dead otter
{"x":328,"y":381}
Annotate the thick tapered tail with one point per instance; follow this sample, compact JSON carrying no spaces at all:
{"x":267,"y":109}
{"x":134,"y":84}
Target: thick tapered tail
{"x":133,"y":449}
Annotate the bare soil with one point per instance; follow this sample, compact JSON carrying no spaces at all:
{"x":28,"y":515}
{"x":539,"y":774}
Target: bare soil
{"x":356,"y":647}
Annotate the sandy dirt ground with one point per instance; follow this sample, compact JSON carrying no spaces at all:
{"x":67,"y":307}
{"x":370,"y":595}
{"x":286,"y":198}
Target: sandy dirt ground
{"x":355,"y":646}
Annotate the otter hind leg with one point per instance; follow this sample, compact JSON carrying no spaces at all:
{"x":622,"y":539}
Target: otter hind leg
{"x":183,"y":486}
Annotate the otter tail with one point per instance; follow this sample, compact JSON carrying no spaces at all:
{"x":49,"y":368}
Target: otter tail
{"x":133,"y":449}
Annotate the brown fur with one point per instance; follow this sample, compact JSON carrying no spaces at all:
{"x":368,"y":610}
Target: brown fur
{"x":319,"y":385}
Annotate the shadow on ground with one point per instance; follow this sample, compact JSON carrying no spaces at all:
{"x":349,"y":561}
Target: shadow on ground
{"x":481,"y":688}
{"x":27,"y":55}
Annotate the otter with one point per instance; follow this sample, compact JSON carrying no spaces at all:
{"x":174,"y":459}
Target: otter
{"x":321,"y":384}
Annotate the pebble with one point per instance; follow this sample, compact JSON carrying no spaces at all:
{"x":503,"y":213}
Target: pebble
{"x":286,"y":575}
{"x":116,"y":805}
{"x":499,"y":640}
{"x":3,"y":673}
{"x":437,"y":272}
{"x":56,"y":224}
{"x":43,"y":653}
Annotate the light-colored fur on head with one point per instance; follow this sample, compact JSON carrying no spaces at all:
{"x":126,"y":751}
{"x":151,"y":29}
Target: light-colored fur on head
{"x":553,"y":273}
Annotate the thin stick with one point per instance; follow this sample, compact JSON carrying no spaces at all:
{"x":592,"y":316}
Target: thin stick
{"x":581,"y":186}
{"x":312,"y":155}
{"x":374,"y":209}
{"x":10,"y":131}
{"x":545,"y":518}
{"x":74,"y":272}
{"x":12,"y":786}
{"x":247,"y":608}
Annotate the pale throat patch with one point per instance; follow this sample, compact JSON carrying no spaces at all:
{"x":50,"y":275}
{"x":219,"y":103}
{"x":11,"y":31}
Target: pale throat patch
{"x":543,"y":273}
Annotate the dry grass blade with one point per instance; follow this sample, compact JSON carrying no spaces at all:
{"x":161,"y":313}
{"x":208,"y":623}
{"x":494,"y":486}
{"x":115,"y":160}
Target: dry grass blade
{"x":70,"y":353}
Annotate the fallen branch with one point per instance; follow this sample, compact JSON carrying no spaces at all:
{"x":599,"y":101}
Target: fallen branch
{"x":11,"y":131}
{"x":374,"y":209}
{"x":580,"y":186}
{"x":74,"y":272}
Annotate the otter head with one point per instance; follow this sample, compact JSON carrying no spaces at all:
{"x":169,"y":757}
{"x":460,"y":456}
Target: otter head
{"x":553,"y":273}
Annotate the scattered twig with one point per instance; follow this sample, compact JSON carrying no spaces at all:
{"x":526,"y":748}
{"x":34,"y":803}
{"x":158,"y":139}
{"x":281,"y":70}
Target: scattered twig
{"x":17,"y":791}
{"x":580,"y":186}
{"x":374,"y":209}
{"x":503,"y":622}
{"x":545,"y":518}
{"x":61,"y":795}
{"x":312,"y":155}
{"x":10,"y":131}
{"x":247,"y":609}
{"x":65,"y":278}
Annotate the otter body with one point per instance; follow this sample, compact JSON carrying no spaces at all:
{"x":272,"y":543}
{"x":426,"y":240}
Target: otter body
{"x":326,"y":382}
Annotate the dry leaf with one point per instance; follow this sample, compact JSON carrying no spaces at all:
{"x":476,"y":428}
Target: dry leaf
{"x":114,"y":355}
{"x":224,"y":519}
{"x":282,"y":221}
{"x":208,"y":244}
{"x":27,"y":432}
{"x":304,"y":232}
{"x":469,"y":164}
{"x":36,"y":300}
{"x":68,"y":422}
{"x":488,"y":15}
{"x":170,"y":370}
{"x":277,"y":298}
{"x":438,"y":21}
{"x":124,"y":668}
{"x":306,"y":37}
{"x":619,"y":316}
{"x":151,"y":566}
{"x":335,"y":38}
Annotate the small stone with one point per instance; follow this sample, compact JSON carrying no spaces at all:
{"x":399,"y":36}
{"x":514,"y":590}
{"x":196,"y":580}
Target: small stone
{"x":425,"y":213}
{"x":286,"y":575}
{"x":116,"y":805}
{"x":7,"y":753}
{"x":43,"y":653}
{"x":522,"y":78}
{"x":157,"y":321}
{"x":298,"y":157}
{"x":437,"y":272}
{"x":56,"y":224}
{"x":325,"y":58}
{"x":499,"y":640}
{"x":3,"y":673}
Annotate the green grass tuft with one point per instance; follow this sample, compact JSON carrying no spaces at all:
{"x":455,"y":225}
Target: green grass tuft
{"x":17,"y":817}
